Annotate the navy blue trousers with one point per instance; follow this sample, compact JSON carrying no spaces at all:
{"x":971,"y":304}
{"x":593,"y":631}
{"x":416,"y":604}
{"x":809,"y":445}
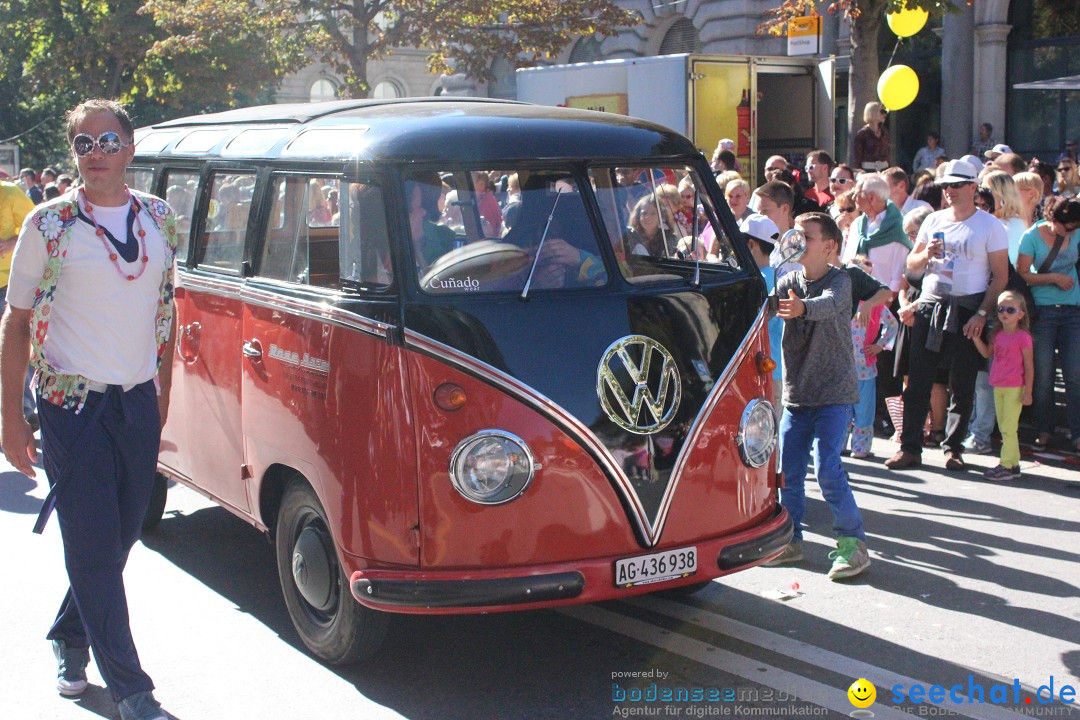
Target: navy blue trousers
{"x":102,"y":462}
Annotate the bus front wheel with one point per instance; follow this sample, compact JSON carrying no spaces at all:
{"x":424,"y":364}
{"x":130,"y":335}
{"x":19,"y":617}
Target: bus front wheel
{"x":331,"y":623}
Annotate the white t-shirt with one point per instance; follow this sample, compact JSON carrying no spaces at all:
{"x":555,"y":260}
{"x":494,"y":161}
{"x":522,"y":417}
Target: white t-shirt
{"x":102,"y":325}
{"x":964,"y":268}
{"x":911,"y":203}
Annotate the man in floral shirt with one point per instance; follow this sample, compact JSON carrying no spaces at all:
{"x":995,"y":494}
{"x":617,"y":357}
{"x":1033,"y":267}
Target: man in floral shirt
{"x":90,"y":303}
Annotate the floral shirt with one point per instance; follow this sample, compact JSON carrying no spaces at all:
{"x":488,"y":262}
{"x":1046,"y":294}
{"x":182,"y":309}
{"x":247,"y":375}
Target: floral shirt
{"x":54,"y":221}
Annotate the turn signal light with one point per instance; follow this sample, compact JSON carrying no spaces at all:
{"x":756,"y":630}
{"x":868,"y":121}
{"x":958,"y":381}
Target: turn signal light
{"x":450,"y":397}
{"x":765,"y":364}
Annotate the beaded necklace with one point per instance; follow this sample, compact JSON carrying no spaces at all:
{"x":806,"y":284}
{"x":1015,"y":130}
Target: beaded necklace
{"x":100,"y":231}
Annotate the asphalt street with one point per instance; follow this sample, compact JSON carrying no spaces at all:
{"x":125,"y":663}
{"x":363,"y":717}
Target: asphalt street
{"x":972,"y":583}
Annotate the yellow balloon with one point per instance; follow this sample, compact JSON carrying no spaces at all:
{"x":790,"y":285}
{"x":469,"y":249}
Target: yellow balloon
{"x":907,"y":21}
{"x":897,"y":87}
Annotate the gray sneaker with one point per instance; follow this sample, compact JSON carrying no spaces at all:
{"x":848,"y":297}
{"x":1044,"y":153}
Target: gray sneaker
{"x":978,"y":447}
{"x":792,"y":553}
{"x":70,"y":668}
{"x":141,"y":706}
{"x":849,"y":558}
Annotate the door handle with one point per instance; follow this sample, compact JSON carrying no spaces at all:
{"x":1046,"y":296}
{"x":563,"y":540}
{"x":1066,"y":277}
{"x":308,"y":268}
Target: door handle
{"x":187,"y":344}
{"x":252,"y":349}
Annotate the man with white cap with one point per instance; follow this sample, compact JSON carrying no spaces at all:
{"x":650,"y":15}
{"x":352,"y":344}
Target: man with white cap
{"x":962,"y":254}
{"x":999,"y":149}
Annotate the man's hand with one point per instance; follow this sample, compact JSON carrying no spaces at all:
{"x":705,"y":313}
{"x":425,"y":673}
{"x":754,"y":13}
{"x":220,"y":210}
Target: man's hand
{"x":792,"y":307}
{"x":20,"y":449}
{"x":1063,"y":281}
{"x":163,"y":407}
{"x":872,"y":350}
{"x":1026,"y":398}
{"x":973,"y":328}
{"x":862,"y":315}
{"x":907,"y":315}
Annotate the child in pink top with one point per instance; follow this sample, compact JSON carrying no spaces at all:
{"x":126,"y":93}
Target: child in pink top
{"x":1011,"y":375}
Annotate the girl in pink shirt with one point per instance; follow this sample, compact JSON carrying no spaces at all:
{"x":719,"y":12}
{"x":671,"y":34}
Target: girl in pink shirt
{"x":1011,"y":375}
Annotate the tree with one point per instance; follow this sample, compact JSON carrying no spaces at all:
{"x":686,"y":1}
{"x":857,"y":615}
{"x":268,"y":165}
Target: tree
{"x":464,"y":34}
{"x":54,"y":53}
{"x":866,"y":18}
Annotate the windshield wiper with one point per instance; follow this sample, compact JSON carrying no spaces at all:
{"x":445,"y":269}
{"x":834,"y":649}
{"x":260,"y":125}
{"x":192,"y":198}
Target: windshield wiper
{"x":540,"y":246}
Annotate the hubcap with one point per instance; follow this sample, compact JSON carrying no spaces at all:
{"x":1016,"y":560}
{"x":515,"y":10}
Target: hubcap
{"x":313,"y":569}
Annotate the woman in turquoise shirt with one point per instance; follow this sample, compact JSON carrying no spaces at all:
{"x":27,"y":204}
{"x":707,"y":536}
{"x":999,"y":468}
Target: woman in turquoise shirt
{"x":1057,"y":301}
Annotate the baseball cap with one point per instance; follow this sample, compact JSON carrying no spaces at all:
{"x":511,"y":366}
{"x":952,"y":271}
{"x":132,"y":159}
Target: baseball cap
{"x":958,"y":171}
{"x":760,"y":228}
{"x":999,"y":149}
{"x":975,"y":162}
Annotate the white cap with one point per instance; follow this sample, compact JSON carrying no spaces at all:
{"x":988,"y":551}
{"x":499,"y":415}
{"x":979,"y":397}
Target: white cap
{"x":999,"y":149}
{"x":973,"y":161}
{"x":958,"y":171}
{"x":760,"y":228}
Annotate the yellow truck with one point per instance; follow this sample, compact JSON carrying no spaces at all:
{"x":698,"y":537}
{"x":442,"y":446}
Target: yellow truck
{"x":767,"y":105}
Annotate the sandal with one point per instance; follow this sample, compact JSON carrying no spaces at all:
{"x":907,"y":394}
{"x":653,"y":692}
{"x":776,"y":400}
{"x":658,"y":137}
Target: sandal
{"x":954,"y":462}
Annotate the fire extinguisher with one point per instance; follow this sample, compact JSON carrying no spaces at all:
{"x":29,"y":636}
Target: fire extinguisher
{"x":743,"y":114}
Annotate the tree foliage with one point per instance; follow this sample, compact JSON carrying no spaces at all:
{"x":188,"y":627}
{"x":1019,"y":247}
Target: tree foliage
{"x":463,"y":34}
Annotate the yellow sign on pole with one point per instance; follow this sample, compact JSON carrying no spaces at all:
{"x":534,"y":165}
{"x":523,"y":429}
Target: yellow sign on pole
{"x":804,"y":35}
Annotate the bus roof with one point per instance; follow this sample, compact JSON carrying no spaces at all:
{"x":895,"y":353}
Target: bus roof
{"x":433,"y":129}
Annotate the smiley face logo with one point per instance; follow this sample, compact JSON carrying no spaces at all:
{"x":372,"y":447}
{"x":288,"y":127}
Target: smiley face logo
{"x":862,"y":693}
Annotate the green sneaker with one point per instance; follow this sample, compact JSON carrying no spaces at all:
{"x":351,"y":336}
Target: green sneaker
{"x":792,"y":553}
{"x":849,"y":558}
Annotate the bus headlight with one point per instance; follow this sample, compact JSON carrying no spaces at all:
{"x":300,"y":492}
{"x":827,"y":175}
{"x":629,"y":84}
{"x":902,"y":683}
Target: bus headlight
{"x":757,"y":433}
{"x":491,"y":467}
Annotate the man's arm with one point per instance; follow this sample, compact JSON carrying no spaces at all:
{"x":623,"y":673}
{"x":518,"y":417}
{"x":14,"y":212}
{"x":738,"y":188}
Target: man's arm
{"x":165,"y":372}
{"x":999,"y":275}
{"x":15,"y":433}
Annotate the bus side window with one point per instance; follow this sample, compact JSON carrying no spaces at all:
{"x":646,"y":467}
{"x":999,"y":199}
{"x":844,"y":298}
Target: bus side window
{"x":141,"y":179}
{"x":364,"y":254}
{"x":182,"y":194}
{"x":225,"y":231}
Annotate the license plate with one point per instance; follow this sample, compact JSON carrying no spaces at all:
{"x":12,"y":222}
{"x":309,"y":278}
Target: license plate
{"x":657,"y":567}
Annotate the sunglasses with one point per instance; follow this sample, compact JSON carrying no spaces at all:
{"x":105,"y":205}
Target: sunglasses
{"x":1065,"y":168}
{"x":810,"y":167}
{"x":1007,"y":310}
{"x":955,"y":185}
{"x":109,"y":142}
{"x":840,"y":181}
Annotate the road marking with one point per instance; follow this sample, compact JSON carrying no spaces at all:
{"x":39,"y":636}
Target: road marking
{"x":756,"y":672}
{"x":812,"y":655}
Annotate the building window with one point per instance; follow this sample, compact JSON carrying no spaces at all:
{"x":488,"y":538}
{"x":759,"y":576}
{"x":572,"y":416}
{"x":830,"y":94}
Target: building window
{"x":586,"y":50}
{"x":387,"y":90}
{"x":681,"y":37}
{"x":322,"y":90}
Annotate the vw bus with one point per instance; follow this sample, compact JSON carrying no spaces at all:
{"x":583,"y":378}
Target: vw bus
{"x":456,"y":356}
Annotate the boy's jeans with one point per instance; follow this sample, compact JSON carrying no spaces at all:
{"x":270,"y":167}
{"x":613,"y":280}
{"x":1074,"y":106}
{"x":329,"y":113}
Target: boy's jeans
{"x":799,"y":427}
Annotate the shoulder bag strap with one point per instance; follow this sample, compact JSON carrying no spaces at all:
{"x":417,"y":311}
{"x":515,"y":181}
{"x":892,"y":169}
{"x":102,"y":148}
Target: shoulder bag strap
{"x":1059,"y":240}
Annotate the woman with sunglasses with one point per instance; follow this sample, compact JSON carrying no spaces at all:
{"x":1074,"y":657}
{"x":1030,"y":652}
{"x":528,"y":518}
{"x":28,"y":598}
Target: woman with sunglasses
{"x":841,"y":179}
{"x":872,"y":140}
{"x":100,"y":326}
{"x":1054,"y":285}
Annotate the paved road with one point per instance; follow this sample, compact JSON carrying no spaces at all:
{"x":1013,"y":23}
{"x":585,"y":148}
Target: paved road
{"x":969,"y":578}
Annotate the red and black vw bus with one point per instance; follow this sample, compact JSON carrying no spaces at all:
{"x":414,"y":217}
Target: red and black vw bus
{"x":456,"y":357}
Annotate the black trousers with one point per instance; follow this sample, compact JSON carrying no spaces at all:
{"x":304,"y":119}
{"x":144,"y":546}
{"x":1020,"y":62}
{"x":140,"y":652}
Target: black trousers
{"x":963,"y":361}
{"x":104,"y":459}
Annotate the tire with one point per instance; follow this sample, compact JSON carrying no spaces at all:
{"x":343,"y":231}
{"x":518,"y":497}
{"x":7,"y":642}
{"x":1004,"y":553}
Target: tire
{"x":332,"y":624}
{"x":156,"y":509}
{"x":683,"y":591}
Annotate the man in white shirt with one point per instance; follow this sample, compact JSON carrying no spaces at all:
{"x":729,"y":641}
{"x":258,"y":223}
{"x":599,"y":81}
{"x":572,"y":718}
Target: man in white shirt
{"x":962,"y":254}
{"x":879,"y":232}
{"x":898,"y":191}
{"x":99,"y":329}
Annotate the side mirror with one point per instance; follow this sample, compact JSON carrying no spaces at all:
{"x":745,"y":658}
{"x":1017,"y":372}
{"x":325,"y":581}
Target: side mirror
{"x":792,"y":246}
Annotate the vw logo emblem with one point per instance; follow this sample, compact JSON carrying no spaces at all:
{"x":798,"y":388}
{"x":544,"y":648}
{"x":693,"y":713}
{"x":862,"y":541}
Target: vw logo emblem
{"x":638,"y":384}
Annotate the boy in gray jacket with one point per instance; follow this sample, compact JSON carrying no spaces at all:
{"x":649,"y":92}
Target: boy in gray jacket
{"x":820,"y":388}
